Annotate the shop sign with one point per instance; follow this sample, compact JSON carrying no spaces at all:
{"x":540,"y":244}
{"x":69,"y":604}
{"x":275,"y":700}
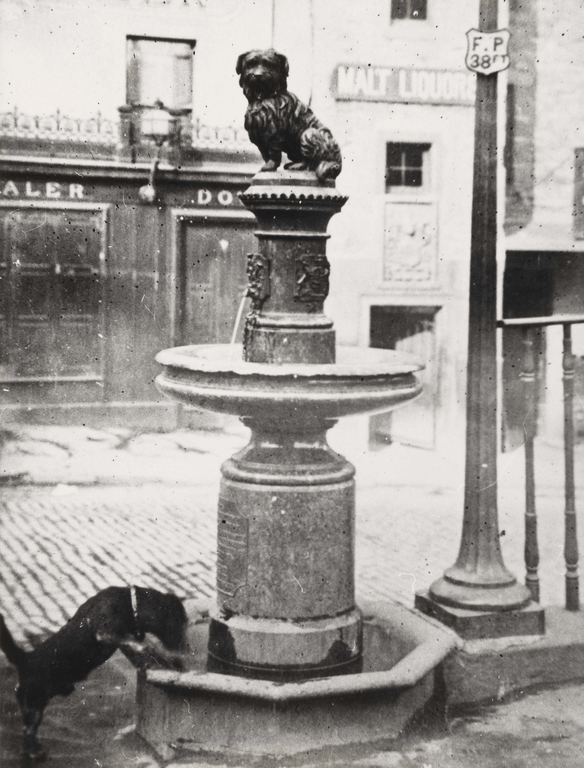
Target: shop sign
{"x":56,"y":190}
{"x":223,"y":197}
{"x":579,"y":194}
{"x":51,"y":190}
{"x":365,"y":82}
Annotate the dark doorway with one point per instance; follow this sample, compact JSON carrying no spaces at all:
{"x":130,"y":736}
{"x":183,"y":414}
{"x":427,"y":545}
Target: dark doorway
{"x":527,"y":292}
{"x":408,"y":329}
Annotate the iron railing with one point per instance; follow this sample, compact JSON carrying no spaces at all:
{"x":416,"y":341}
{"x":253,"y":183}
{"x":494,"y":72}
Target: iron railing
{"x":98,"y":129}
{"x":58,"y":127}
{"x":528,"y":376}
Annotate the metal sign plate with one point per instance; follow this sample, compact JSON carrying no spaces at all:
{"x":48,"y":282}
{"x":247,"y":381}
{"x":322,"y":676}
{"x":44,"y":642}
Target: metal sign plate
{"x":232,"y":548}
{"x":487,"y":52}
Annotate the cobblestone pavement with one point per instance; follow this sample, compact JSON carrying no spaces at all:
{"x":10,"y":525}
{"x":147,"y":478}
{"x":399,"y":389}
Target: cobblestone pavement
{"x":142,"y":509}
{"x":83,"y":509}
{"x":56,"y":551}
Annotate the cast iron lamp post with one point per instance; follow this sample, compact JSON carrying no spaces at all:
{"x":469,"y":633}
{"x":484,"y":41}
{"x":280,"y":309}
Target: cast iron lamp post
{"x":478,"y":596}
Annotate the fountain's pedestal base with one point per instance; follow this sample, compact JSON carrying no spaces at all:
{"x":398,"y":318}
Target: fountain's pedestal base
{"x":199,"y":710}
{"x":282,"y":651}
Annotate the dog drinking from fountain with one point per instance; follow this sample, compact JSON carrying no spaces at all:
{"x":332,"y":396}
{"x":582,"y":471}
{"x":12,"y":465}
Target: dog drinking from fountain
{"x":277,"y":121}
{"x":146,"y":625}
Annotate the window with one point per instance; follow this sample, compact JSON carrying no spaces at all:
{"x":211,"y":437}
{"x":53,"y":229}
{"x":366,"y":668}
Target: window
{"x":406,"y":166}
{"x":160,"y":70}
{"x":409,"y":9}
{"x":51,"y":322}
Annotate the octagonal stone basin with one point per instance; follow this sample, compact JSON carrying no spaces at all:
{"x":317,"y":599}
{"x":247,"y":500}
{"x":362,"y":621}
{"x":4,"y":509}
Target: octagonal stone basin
{"x":214,"y":377}
{"x":208,"y":712}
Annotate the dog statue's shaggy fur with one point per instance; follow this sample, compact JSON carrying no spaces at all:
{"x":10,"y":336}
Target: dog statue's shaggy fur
{"x":277,"y":121}
{"x":106,"y":622}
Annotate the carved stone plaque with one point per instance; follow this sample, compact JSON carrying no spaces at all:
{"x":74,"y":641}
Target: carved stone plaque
{"x":409,"y":243}
{"x":232,"y":548}
{"x":258,"y":276}
{"x":312,"y":278}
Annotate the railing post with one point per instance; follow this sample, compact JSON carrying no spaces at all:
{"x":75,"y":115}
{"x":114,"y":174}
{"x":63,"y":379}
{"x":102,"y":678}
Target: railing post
{"x":570,"y":541}
{"x":531,"y":545}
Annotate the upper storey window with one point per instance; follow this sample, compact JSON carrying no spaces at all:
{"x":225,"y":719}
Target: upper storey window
{"x":409,"y":9}
{"x":160,"y":70}
{"x":407,"y":167}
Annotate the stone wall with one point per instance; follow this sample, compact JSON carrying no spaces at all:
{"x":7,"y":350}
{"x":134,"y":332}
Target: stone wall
{"x":519,"y":152}
{"x":545,"y":116}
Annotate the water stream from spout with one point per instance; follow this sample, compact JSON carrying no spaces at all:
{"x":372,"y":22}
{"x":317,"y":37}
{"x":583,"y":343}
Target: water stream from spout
{"x":237,"y":322}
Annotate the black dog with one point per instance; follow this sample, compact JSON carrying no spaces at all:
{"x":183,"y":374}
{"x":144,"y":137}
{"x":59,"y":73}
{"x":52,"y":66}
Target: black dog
{"x":277,"y":121}
{"x":117,"y":617}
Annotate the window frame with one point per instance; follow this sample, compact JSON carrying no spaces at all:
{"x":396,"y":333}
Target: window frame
{"x":426,"y":185}
{"x":102,"y":210}
{"x":409,"y":11}
{"x":132,"y":67}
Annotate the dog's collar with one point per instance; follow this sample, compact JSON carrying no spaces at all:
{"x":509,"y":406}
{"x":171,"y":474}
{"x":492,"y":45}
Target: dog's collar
{"x":134,"y":599}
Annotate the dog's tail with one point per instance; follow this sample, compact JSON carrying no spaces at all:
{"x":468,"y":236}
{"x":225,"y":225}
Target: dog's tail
{"x":322,"y":152}
{"x":14,"y":654}
{"x":328,"y":169}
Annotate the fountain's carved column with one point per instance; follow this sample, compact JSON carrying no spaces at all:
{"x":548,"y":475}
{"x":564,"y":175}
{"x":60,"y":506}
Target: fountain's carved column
{"x":285,"y":570}
{"x":289,"y":278}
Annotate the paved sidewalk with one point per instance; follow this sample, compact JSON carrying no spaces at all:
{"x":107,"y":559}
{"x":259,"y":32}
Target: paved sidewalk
{"x":93,"y":728}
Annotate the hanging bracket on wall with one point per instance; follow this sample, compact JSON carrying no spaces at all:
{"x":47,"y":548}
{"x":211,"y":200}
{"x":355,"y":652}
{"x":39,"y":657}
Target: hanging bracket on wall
{"x":157,"y":124}
{"x":148,"y":193}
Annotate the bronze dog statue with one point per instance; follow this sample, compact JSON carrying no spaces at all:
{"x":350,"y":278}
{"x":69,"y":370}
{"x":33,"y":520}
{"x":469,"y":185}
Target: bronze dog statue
{"x":143,"y":623}
{"x":277,"y":121}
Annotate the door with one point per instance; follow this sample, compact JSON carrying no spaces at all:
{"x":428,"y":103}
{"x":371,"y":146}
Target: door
{"x":212,"y":282}
{"x":215,"y":281}
{"x":51,"y":281}
{"x":408,"y":329}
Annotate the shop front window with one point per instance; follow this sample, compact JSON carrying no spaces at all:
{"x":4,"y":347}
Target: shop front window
{"x":51,"y":285}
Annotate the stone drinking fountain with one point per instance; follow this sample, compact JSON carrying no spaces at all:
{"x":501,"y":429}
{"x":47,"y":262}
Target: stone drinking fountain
{"x":283,"y":661}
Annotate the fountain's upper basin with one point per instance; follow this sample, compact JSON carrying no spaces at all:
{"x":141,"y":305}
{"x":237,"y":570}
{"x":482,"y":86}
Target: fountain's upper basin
{"x":214,"y":377}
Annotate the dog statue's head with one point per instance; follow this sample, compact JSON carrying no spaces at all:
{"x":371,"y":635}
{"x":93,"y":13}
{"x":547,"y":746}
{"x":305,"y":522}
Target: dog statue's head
{"x":262,"y":74}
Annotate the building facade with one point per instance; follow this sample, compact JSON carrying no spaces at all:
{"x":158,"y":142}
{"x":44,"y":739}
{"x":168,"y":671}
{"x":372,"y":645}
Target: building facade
{"x":544,"y":164}
{"x":96,"y":277}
